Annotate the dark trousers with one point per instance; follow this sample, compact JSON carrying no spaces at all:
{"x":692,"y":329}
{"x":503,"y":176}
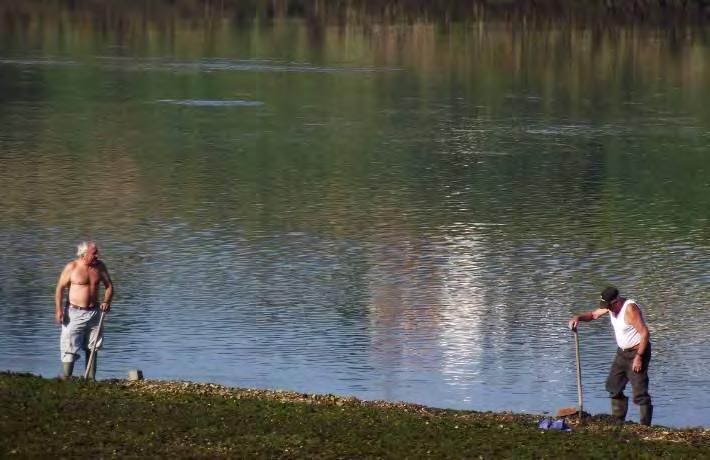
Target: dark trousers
{"x":621,"y":373}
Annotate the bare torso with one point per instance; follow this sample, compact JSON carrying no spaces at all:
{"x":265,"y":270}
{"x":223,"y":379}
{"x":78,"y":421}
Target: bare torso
{"x":84,"y":281}
{"x":82,"y":278}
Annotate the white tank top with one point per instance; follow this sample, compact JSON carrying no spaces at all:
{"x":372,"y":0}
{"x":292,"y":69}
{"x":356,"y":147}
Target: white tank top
{"x":626,"y":335}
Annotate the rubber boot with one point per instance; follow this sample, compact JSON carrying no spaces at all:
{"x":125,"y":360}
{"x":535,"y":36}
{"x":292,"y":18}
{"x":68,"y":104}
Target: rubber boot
{"x":92,"y":370}
{"x":646,"y":414}
{"x":619,"y":407}
{"x":67,"y":370}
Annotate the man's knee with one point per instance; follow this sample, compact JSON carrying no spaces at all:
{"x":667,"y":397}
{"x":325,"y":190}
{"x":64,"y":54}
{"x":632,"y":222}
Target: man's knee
{"x":640,"y":390}
{"x":69,"y":357}
{"x":643,"y":399}
{"x":615,"y":388}
{"x":615,"y":384}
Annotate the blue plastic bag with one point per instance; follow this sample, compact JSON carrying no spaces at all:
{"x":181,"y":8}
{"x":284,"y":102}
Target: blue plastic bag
{"x":549,"y":424}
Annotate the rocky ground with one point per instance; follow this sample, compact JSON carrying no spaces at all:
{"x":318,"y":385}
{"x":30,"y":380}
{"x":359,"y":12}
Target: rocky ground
{"x":120,"y":418}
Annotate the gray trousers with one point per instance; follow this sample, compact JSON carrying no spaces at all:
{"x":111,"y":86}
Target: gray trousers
{"x":621,"y":373}
{"x":79,"y":332}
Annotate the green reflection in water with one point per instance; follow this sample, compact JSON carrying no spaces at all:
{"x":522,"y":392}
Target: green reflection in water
{"x":534,"y":127}
{"x":440,"y":152}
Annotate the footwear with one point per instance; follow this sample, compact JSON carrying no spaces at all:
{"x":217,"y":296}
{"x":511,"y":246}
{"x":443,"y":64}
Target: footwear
{"x":619,"y":407}
{"x":67,"y":370}
{"x":646,"y":414}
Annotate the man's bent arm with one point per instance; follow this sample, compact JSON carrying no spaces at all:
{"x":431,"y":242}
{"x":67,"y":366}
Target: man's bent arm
{"x":635,"y":318}
{"x":586,"y":317}
{"x":108,"y":287}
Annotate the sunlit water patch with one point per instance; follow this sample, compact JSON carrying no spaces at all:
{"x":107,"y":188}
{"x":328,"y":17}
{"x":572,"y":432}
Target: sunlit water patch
{"x":212,"y":103}
{"x":49,"y":62}
{"x":228,"y":65}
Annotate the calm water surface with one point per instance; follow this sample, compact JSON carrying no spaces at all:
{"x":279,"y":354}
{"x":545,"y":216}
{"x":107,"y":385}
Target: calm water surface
{"x":400,"y":212}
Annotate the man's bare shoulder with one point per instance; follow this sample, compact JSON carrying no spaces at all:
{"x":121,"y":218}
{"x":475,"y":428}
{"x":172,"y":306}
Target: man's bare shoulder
{"x":633,"y":311}
{"x":70,"y":265}
{"x":67,"y":272}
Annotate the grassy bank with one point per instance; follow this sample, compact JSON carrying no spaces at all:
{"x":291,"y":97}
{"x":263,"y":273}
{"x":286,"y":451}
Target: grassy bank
{"x":47,"y":417}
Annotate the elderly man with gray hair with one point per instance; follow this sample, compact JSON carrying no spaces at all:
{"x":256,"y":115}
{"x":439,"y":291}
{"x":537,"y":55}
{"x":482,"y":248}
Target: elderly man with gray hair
{"x":80,"y":315}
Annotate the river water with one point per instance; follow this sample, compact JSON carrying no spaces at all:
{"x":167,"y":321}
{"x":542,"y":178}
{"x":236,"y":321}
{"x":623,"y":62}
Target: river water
{"x":391,"y":211}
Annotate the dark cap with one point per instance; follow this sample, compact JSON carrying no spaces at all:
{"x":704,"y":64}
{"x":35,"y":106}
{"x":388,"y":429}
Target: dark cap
{"x":610,"y":293}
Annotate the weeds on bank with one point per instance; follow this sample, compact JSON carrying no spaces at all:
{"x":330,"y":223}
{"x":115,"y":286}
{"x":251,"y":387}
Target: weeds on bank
{"x":42,"y":417}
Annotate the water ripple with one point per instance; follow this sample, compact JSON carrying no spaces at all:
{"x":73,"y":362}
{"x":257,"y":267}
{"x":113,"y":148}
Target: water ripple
{"x":212,"y":103}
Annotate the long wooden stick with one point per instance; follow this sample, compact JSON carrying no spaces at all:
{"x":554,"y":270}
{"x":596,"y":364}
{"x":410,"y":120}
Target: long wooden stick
{"x":92,"y":356}
{"x":579,"y":374}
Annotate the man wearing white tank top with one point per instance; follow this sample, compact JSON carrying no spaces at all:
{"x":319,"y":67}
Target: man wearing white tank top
{"x":632,"y":357}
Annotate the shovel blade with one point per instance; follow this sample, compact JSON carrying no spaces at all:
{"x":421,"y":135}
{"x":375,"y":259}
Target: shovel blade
{"x":566,"y":411}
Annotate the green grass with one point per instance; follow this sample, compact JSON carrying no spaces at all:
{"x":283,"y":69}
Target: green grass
{"x":43,"y":418}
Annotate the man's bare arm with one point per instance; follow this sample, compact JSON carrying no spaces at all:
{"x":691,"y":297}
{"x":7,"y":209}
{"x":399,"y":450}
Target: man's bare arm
{"x":62,"y":283}
{"x":108,"y":288}
{"x":586,"y":317}
{"x":635,"y":318}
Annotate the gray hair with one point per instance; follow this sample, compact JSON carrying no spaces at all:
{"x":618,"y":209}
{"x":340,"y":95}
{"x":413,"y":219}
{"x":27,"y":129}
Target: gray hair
{"x":82,"y":247}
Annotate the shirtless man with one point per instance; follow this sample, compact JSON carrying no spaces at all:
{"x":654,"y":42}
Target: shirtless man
{"x":80,"y":316}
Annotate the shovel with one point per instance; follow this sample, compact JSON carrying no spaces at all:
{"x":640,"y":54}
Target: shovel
{"x":567,"y":411}
{"x":92,"y":356}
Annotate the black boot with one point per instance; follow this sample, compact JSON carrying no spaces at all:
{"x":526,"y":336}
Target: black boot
{"x":646,"y":414}
{"x":619,"y":407}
